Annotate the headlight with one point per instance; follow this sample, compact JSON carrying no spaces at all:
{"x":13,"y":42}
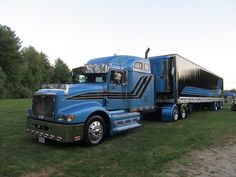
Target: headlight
{"x":66,"y":118}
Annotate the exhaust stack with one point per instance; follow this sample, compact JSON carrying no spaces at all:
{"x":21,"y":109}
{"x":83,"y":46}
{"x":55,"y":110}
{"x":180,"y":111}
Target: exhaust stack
{"x":146,"y":53}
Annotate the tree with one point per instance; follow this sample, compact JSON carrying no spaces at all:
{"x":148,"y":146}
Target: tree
{"x":233,"y":90}
{"x":10,"y":61}
{"x":23,"y":71}
{"x":46,"y":68}
{"x":2,"y":83}
{"x":61,"y":71}
{"x":33,"y":76}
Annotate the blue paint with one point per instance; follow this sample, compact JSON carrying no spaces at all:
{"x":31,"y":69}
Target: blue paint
{"x":145,"y":82}
{"x":188,"y":90}
{"x":167,"y":112}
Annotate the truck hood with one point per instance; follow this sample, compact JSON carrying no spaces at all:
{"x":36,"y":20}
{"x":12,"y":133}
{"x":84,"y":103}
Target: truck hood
{"x":71,"y":90}
{"x":77,"y":89}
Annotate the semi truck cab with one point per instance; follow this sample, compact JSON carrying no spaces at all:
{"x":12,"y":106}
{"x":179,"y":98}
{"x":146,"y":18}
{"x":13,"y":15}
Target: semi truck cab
{"x":106,"y":97}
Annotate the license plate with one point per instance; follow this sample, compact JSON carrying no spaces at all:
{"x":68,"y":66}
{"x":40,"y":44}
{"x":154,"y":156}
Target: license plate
{"x":41,"y":139}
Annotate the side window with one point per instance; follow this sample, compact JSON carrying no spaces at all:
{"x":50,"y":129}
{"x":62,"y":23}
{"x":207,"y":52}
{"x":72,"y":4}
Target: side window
{"x":78,"y":79}
{"x":138,"y":65}
{"x":99,"y":79}
{"x":146,"y":67}
{"x":82,"y":78}
{"x":118,"y":77}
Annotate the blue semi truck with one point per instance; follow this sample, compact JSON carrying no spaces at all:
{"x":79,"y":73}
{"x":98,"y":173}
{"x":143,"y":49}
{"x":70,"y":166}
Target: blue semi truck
{"x":109,"y":95}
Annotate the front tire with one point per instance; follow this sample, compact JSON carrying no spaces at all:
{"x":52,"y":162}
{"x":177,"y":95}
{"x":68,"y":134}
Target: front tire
{"x":94,"y":130}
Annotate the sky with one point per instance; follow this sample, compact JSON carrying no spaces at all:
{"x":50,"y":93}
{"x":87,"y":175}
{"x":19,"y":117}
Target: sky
{"x":203,"y":31}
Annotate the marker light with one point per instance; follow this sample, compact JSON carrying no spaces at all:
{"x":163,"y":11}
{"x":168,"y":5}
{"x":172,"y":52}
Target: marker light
{"x":70,"y":118}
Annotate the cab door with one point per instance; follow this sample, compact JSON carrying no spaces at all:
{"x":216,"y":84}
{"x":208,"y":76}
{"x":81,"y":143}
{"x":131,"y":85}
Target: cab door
{"x":117,"y":90}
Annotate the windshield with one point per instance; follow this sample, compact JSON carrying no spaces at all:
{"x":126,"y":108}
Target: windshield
{"x":89,"y":78}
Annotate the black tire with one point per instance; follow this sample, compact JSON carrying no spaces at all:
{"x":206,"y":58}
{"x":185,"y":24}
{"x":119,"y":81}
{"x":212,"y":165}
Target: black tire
{"x":94,"y":130}
{"x":215,"y":106}
{"x":233,"y":107}
{"x":183,"y":112}
{"x":175,"y":114}
{"x":220,"y":105}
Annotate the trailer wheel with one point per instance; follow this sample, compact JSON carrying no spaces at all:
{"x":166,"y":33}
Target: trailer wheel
{"x":233,"y":107}
{"x":175,"y":113}
{"x":94,"y":130}
{"x":220,"y":105}
{"x":182,"y":112}
{"x":215,"y":106}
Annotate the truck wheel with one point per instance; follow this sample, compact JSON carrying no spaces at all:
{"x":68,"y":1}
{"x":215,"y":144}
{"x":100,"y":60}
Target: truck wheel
{"x":215,"y":106}
{"x":232,"y":107}
{"x":94,"y":130}
{"x":175,"y":113}
{"x":220,"y":105}
{"x":182,"y":112}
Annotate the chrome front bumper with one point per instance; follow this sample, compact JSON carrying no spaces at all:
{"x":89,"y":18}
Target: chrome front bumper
{"x":54,"y":131}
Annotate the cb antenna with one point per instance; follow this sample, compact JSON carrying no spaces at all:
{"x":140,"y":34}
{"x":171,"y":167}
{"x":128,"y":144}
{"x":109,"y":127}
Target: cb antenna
{"x":146,"y":53}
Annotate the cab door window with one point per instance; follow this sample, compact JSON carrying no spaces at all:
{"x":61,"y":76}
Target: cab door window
{"x":118,"y":77}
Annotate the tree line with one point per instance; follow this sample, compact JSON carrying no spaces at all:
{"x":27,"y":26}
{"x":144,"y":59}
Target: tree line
{"x":23,"y":70}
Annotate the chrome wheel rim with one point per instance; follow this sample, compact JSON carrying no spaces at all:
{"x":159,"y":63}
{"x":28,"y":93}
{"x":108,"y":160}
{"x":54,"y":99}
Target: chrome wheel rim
{"x":95,"y":132}
{"x":183,"y":113}
{"x":175,"y":114}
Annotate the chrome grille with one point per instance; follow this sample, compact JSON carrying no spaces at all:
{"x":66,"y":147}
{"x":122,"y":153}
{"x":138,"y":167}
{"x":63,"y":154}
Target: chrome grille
{"x":43,"y":105}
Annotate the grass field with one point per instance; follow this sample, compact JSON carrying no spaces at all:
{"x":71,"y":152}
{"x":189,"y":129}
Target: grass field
{"x":147,"y":151}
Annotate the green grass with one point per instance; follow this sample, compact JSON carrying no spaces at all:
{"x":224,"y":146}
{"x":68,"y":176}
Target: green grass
{"x":142,"y":152}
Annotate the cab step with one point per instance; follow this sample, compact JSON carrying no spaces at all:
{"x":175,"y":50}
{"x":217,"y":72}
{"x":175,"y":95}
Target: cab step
{"x":124,"y":120}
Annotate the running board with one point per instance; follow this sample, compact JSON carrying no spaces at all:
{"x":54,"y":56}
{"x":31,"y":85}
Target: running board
{"x":123,"y":120}
{"x":126,"y":127}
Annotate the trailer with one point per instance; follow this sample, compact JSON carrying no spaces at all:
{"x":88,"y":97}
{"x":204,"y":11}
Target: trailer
{"x":182,"y":85}
{"x":109,"y":95}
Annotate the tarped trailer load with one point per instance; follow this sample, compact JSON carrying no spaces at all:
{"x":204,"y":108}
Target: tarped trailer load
{"x":178,"y":81}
